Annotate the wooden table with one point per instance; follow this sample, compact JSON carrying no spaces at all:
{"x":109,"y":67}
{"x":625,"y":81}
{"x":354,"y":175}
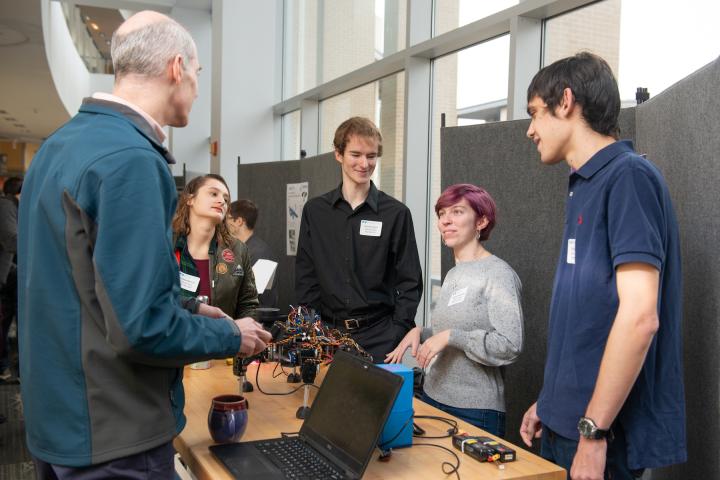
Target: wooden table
{"x":270,"y":415}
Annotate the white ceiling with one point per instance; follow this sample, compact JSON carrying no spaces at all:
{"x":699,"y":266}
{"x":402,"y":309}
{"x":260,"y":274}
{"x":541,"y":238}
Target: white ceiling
{"x":30,"y":108}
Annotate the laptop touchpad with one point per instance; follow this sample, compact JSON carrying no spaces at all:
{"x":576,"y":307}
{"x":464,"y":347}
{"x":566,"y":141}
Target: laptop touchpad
{"x":246,"y":461}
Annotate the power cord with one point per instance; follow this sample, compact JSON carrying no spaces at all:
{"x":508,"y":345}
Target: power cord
{"x":402,"y":429}
{"x":418,"y":432}
{"x":447,"y":467}
{"x":257,"y":383}
{"x":277,"y":364}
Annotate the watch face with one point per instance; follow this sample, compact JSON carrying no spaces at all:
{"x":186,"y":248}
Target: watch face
{"x":585,"y":427}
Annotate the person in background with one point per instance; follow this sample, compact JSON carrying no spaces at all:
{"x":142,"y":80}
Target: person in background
{"x":8,"y":269}
{"x":357,"y":261}
{"x":477,"y":322}
{"x":212,"y":263}
{"x":103,"y":338}
{"x":242,"y":218}
{"x":612,"y":401}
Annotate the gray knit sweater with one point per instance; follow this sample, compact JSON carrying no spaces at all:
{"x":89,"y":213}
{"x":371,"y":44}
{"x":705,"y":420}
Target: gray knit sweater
{"x":480,"y":304}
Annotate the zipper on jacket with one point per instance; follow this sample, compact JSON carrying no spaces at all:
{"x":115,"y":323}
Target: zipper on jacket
{"x":212,"y":274}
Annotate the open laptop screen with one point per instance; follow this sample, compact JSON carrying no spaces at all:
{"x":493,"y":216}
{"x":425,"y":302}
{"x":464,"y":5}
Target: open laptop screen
{"x":350,"y":410}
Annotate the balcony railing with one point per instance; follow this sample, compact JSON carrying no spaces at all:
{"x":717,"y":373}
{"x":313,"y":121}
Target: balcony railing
{"x":84,"y":43}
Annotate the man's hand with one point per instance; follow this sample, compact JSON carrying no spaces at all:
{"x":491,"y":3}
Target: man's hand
{"x":412,"y":339}
{"x":431,"y":347}
{"x":589,"y":461}
{"x":254,"y":337}
{"x":209,"y":311}
{"x":531,"y":426}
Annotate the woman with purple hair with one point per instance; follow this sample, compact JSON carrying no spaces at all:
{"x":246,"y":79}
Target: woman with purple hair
{"x":477,"y":322}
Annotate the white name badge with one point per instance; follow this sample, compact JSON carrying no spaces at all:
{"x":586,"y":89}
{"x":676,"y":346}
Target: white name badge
{"x":458,"y":296}
{"x":370,"y":228}
{"x":571,"y":251}
{"x":189,"y":282}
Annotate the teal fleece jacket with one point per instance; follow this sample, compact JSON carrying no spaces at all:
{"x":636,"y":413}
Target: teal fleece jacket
{"x":102,"y":336}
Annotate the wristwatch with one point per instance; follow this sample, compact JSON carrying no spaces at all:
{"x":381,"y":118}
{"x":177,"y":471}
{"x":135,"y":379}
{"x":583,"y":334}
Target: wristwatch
{"x":588,"y":429}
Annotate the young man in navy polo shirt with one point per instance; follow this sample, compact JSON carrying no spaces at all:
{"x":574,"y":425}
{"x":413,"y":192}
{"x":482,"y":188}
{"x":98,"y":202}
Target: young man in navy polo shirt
{"x":612,"y":401}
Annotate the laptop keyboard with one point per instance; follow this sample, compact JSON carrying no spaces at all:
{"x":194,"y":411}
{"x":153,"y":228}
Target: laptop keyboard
{"x":297,"y":460}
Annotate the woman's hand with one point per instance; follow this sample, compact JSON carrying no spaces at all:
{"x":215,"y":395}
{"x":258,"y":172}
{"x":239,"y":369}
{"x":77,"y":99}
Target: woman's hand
{"x":412,"y":339}
{"x":209,"y":311}
{"x":431,"y":347}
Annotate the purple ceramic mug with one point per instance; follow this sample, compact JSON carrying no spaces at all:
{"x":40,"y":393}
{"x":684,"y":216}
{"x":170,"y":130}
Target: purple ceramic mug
{"x":227,"y":419}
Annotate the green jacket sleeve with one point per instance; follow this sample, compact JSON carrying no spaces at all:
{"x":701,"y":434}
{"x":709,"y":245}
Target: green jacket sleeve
{"x":247,"y":301}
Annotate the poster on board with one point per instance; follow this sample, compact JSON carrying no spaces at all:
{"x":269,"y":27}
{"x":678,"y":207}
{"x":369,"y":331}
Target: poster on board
{"x":297,"y":194}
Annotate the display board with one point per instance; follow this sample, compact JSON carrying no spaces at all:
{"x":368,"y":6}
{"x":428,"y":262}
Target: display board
{"x":266,"y":185}
{"x":678,"y":130}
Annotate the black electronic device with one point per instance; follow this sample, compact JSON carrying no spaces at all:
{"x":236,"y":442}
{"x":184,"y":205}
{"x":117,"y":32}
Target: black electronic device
{"x":240,"y":364}
{"x":327,"y":441}
{"x":483,"y":449}
{"x":304,"y":342}
{"x":642,"y":95}
{"x":267,"y":316}
{"x":308,"y":371}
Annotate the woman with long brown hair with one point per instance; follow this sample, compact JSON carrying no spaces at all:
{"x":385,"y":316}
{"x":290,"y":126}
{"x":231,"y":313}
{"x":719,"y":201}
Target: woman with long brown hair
{"x":212,"y":263}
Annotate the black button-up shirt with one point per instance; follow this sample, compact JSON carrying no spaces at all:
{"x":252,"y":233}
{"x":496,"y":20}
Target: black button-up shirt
{"x":343,"y":269}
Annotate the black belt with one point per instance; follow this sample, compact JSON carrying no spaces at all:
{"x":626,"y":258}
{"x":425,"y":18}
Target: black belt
{"x":356,"y":322}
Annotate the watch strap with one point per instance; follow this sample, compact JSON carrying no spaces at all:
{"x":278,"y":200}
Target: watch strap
{"x":594,"y":432}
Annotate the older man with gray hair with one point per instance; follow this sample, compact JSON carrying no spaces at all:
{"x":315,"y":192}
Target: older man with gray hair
{"x":103,"y":338}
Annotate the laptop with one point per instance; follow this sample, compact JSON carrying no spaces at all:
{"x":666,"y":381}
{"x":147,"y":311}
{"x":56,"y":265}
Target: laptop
{"x":336,"y":440}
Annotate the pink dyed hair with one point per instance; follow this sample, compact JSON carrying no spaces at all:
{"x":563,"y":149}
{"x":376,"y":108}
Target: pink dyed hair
{"x":478,"y":199}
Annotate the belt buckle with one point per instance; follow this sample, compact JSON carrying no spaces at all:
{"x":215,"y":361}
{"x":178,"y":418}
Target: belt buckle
{"x":352,"y":324}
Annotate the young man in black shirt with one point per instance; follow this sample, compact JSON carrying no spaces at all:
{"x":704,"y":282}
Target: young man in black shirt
{"x":357,"y":261}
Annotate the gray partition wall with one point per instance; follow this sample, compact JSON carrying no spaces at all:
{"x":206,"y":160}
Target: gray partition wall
{"x":266,"y":185}
{"x":679,"y":131}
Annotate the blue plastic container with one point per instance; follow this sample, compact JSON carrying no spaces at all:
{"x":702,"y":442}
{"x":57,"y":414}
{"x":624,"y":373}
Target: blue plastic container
{"x":398,"y":428}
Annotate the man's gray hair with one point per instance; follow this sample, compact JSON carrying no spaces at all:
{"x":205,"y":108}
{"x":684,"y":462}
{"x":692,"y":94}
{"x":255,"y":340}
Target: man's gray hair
{"x":148,"y":49}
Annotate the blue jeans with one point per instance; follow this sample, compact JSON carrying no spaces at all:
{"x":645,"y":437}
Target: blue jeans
{"x":491,"y":421}
{"x":561,"y":451}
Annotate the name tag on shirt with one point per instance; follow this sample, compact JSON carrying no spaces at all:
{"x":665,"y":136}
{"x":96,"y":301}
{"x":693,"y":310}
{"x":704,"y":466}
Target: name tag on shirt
{"x":370,"y":228}
{"x":458,"y":296}
{"x":189,"y":282}
{"x":571,"y":251}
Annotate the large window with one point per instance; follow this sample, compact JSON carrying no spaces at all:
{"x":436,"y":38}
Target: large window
{"x":469,"y":86}
{"x":661,"y":44}
{"x":382,"y":102}
{"x":325,"y":39}
{"x":451,"y":14}
{"x":646,"y":43}
{"x":595,"y":28}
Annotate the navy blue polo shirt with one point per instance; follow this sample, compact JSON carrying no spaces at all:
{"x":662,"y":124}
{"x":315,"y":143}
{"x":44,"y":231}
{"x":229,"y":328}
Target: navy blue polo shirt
{"x":618,"y":211}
